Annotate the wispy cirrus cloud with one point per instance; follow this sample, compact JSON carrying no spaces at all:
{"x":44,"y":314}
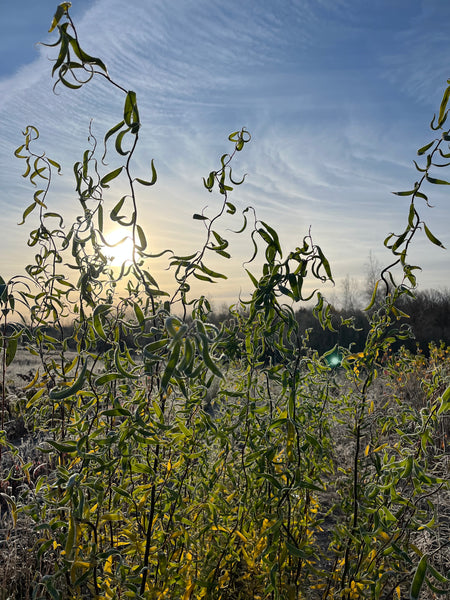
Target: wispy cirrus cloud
{"x":329,"y":91}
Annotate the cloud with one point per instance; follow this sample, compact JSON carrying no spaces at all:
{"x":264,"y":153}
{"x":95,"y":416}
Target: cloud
{"x":330,"y":93}
{"x":415,"y":62}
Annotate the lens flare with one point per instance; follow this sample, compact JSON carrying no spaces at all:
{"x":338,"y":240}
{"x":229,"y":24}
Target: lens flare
{"x":120,"y":247}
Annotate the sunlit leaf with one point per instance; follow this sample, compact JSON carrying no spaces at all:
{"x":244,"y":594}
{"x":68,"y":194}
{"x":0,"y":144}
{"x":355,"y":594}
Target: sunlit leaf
{"x":60,"y":12}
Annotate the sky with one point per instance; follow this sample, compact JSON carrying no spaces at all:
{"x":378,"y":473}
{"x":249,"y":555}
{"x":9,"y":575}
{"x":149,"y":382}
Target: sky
{"x":337,"y":95}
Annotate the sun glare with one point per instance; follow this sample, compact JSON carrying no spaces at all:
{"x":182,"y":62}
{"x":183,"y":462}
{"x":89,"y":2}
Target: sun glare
{"x":121,"y":249}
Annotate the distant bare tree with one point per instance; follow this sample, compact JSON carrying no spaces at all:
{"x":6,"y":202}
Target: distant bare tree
{"x":349,"y":294}
{"x":372,"y":274}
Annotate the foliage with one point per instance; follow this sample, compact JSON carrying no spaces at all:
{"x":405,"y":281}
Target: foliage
{"x":190,"y":463}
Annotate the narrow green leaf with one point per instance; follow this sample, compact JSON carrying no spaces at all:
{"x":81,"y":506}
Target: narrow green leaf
{"x":63,"y":393}
{"x":142,"y":239}
{"x":252,"y":277}
{"x":115,"y":211}
{"x":139,"y":314}
{"x":55,"y":164}
{"x":325,"y":263}
{"x":110,"y":176}
{"x":67,"y":447}
{"x":18,"y":150}
{"x":100,"y":217}
{"x":293,"y":550}
{"x":209,"y":362}
{"x":443,"y":107}
{"x":70,"y":538}
{"x":85,"y":58}
{"x":111,"y":132}
{"x":141,"y":468}
{"x":97,"y":322}
{"x":107,"y":377}
{"x":116,"y":412}
{"x":173,"y":325}
{"x":202,"y":277}
{"x":271,"y":479}
{"x":400,"y":239}
{"x":438,"y":575}
{"x":171,"y":364}
{"x":188,"y":357}
{"x":446,"y":395}
{"x":187,"y":432}
{"x":274,"y":236}
{"x":437,"y":181}
{"x":223,"y":253}
{"x":11,"y":349}
{"x":425,"y":148}
{"x":154,"y":346}
{"x":120,"y":368}
{"x":419,"y":578}
{"x":408,"y":193}
{"x":432,"y":238}
{"x":412,"y":212}
{"x":27,"y":211}
{"x":445,"y":402}
{"x":211,"y":273}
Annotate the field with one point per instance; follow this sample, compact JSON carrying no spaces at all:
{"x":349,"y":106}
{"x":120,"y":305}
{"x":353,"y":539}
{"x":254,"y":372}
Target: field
{"x":244,"y":498}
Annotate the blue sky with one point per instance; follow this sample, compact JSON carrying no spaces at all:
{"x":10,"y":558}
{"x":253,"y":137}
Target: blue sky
{"x":337,"y":94}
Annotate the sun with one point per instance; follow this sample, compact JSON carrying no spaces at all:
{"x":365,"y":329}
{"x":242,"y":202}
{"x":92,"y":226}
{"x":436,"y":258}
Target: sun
{"x":120,"y":249}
